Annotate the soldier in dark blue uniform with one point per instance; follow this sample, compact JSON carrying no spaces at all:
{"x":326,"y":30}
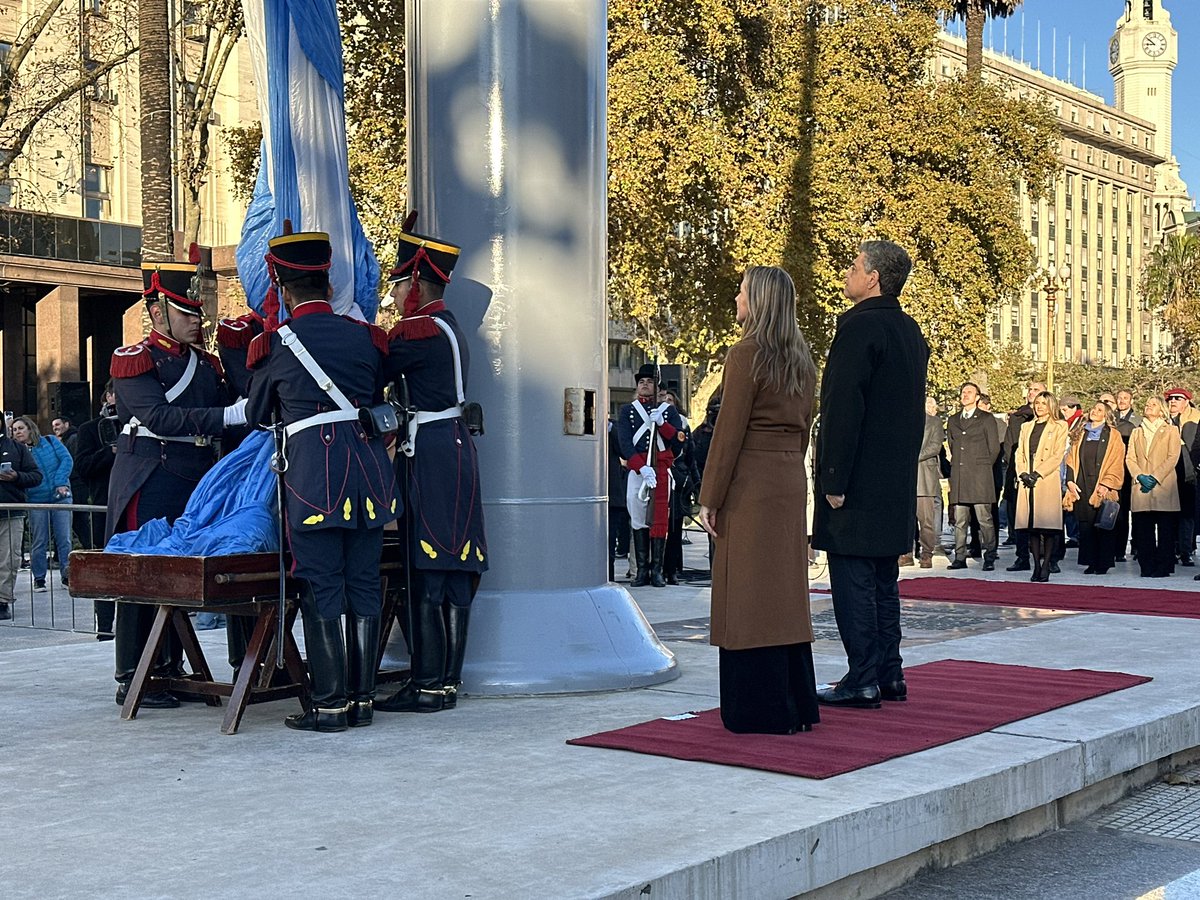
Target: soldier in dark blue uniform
{"x":444,"y":519}
{"x":648,"y":490}
{"x":340,"y":488}
{"x":234,"y":336}
{"x":171,"y":404}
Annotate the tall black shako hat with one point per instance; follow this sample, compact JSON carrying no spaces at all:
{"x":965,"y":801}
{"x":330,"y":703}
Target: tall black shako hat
{"x":169,"y":282}
{"x":649,"y":370}
{"x":292,"y":256}
{"x":421,"y":256}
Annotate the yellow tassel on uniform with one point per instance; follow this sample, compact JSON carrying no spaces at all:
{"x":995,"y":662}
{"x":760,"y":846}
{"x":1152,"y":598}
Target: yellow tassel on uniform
{"x":466,"y":551}
{"x":478,"y":555}
{"x":370,"y":509}
{"x":393,"y":504}
{"x":314,"y":519}
{"x":346,"y":510}
{"x":429,"y":551}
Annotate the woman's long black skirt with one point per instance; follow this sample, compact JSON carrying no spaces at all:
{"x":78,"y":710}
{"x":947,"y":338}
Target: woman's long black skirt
{"x":768,"y":690}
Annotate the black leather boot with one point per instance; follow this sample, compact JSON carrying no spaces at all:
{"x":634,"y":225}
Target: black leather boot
{"x":238,"y":630}
{"x":457,"y":618}
{"x":326,"y":651}
{"x":641,"y":553}
{"x":132,"y":629}
{"x":657,"y":547}
{"x":362,"y":657}
{"x":424,"y":691}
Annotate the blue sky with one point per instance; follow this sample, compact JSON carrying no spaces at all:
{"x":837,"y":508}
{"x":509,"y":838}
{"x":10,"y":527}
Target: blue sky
{"x":1090,"y":24}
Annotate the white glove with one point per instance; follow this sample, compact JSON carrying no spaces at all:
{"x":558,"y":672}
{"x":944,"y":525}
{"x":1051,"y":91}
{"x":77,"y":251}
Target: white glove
{"x":648,"y":477}
{"x":236,"y":414}
{"x":658,"y":416}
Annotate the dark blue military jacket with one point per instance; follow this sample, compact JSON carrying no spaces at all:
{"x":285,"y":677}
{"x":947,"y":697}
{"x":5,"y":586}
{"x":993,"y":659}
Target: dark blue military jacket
{"x":337,"y":477}
{"x":446,"y":505}
{"x":629,"y":422}
{"x":142,"y":374}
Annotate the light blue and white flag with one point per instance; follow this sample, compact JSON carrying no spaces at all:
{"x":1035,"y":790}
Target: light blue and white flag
{"x":296,"y":49}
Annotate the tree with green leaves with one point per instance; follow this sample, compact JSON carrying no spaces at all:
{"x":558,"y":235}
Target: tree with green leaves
{"x":1170,"y":285}
{"x":975,"y":14}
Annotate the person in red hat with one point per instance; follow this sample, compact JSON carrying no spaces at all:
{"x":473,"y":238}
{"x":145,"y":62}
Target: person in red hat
{"x":322,"y":371}
{"x":428,"y":359}
{"x":172,"y":403}
{"x":1186,"y":418}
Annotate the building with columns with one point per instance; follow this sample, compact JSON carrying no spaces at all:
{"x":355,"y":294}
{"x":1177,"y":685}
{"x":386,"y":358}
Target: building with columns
{"x":1118,"y":194}
{"x":70,"y":210}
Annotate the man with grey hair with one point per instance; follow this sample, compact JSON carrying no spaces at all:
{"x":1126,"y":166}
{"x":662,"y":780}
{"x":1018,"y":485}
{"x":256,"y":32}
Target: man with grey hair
{"x":865,"y":479}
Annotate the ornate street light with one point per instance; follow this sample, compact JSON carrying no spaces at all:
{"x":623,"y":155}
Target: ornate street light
{"x":1054,"y":279}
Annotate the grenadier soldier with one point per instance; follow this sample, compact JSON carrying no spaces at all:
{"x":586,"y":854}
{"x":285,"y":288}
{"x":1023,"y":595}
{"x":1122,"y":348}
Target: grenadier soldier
{"x":321,"y":373}
{"x":447,"y":549}
{"x":171,"y":402}
{"x":648,"y":491}
{"x":234,"y":336}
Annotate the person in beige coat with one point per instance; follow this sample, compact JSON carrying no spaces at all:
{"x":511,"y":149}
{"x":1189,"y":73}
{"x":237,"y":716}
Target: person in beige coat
{"x":1040,"y":450}
{"x":1154,"y":449}
{"x":1095,"y":473}
{"x":752,"y":501}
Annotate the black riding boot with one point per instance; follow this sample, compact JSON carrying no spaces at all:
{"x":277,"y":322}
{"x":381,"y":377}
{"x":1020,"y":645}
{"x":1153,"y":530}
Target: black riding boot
{"x":326,"y":651}
{"x":424,"y":691}
{"x":641,"y":554}
{"x":362,"y":660}
{"x":238,"y":630}
{"x":457,"y":618}
{"x":132,"y":631}
{"x":657,"y":547}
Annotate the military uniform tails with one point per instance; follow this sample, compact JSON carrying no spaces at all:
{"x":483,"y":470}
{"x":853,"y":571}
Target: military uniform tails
{"x":444,"y":518}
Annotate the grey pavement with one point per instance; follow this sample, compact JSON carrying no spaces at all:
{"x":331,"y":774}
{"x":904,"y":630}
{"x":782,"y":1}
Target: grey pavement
{"x":488,"y":801}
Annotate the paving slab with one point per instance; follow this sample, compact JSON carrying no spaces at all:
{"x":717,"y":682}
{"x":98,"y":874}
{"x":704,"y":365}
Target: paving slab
{"x":488,"y":801}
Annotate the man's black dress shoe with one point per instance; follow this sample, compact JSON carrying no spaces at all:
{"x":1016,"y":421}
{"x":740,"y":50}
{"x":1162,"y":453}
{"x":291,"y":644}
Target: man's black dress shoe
{"x":989,"y":565}
{"x":153,"y":700}
{"x":1054,"y":569}
{"x":958,"y":564}
{"x":894,"y":690}
{"x":1020,"y":565}
{"x":1186,"y":561}
{"x":862,"y":698}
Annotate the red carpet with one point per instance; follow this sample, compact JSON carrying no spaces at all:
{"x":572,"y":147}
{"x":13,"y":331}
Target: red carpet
{"x":948,"y":700}
{"x":1077,"y":597}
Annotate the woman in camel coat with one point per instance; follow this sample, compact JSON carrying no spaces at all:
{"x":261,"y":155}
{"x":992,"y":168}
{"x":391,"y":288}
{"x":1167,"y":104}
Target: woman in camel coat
{"x":1095,"y":473}
{"x":1153,"y":451}
{"x":753,"y":501}
{"x":1040,"y":450}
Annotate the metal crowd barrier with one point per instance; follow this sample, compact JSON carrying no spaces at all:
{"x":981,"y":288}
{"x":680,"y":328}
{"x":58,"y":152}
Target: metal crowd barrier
{"x":52,"y":608}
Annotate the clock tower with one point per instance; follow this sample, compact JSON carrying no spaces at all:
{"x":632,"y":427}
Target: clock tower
{"x":1141,"y":57}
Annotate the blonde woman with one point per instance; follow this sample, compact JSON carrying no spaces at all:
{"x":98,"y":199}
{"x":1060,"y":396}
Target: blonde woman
{"x":1040,"y":449}
{"x":1095,"y":473}
{"x":753,"y":501}
{"x":1153,"y":451}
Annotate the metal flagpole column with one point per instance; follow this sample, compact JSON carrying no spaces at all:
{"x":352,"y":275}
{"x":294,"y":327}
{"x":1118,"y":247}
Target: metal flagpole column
{"x":507,"y":158}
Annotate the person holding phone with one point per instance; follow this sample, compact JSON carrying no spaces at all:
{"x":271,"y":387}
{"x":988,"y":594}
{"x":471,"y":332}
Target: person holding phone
{"x":54,"y":461}
{"x":18,"y":472}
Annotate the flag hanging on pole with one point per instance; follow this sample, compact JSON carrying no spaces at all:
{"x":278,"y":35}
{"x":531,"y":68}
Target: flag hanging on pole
{"x":296,"y":49}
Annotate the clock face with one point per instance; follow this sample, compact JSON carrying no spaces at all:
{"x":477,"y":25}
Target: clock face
{"x":1114,"y":50}
{"x":1154,"y":44}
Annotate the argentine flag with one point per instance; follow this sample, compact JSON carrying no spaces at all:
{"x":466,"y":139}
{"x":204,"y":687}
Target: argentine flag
{"x":296,"y":49}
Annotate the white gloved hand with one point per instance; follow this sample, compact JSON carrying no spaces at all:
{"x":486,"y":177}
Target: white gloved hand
{"x":658,"y":415}
{"x":648,"y":476}
{"x":236,"y":414}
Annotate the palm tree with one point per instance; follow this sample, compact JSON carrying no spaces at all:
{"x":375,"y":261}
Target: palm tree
{"x":975,"y":13}
{"x":1170,"y":285}
{"x":154,"y":90}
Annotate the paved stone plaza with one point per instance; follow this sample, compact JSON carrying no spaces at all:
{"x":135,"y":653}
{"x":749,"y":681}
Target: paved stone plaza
{"x":489,"y":802}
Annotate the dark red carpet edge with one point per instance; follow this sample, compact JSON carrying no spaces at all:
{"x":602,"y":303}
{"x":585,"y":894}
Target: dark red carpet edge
{"x":1075,"y":597}
{"x":948,"y":700}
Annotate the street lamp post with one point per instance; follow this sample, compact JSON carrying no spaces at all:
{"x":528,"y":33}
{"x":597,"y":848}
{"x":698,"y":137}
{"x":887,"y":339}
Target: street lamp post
{"x":1054,"y":279}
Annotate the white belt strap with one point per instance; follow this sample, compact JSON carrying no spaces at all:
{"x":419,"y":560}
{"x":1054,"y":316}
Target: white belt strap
{"x":181,"y":385}
{"x":137,"y":429}
{"x":637,"y":435}
{"x":422,"y":417}
{"x":292,"y":341}
{"x":325,"y":418}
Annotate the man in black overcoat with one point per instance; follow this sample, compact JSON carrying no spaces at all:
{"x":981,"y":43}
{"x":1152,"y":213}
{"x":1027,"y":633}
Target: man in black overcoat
{"x":872,"y":425}
{"x":974,"y":446}
{"x":94,"y":456}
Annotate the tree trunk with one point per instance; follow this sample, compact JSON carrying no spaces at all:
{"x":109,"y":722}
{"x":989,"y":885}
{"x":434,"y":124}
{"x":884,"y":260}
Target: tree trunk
{"x":154,"y":89}
{"x":976,"y":18}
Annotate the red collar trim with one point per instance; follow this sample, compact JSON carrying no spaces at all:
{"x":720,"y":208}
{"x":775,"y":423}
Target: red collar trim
{"x":157,"y":339}
{"x":309,"y":307}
